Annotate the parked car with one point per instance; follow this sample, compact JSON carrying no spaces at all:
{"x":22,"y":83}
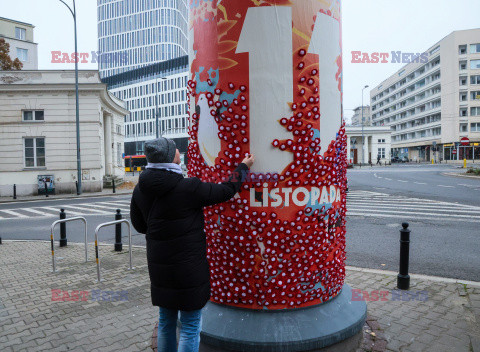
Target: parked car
{"x":405,"y":159}
{"x":396,"y":159}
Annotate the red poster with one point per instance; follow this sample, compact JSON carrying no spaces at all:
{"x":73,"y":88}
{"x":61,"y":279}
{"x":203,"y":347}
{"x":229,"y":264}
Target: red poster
{"x":266,"y":78}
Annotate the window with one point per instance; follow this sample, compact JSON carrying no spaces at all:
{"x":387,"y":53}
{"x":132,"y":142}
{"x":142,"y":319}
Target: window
{"x":463,"y":81}
{"x":475,"y":64}
{"x":463,"y":96}
{"x":474,"y":48}
{"x":381,"y":153}
{"x":381,"y":141}
{"x":32,"y":115}
{"x":34,"y":151}
{"x":464,"y":127}
{"x":475,"y":111}
{"x":22,"y":54}
{"x":20,"y":33}
{"x":434,"y":50}
{"x":475,"y":79}
{"x":462,"y":49}
{"x":463,"y":112}
{"x":463,"y":65}
{"x":475,"y":127}
{"x":119,"y":154}
{"x":475,"y":95}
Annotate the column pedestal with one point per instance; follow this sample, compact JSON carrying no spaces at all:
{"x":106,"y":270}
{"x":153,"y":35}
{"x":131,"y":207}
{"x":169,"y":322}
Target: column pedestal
{"x":226,"y":328}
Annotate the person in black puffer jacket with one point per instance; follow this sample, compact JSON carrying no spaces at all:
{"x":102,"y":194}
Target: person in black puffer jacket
{"x":168,"y":208}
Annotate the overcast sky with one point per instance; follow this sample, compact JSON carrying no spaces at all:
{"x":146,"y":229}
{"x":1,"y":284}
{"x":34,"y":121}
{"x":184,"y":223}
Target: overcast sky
{"x":368,"y":26}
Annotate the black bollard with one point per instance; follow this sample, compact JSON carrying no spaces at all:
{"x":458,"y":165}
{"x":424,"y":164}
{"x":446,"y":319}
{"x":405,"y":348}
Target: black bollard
{"x":113,"y":184}
{"x":118,"y":232}
{"x":63,"y":229}
{"x":0,"y":240}
{"x":46,"y":189}
{"x":403,"y":279}
{"x":14,"y":191}
{"x":76,"y":186}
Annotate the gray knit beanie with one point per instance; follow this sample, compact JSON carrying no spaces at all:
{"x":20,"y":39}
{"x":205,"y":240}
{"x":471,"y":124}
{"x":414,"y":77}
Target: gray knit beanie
{"x":160,"y":150}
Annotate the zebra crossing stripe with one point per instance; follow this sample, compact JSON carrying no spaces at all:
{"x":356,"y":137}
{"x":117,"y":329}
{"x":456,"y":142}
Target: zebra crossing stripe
{"x":35,"y":211}
{"x":401,"y":215}
{"x":413,"y":206}
{"x":14,"y":213}
{"x":380,"y":212}
{"x":57,"y":210}
{"x":87,"y":209}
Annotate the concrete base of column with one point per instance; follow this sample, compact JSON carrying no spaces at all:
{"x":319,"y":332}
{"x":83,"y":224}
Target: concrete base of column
{"x":337,"y":323}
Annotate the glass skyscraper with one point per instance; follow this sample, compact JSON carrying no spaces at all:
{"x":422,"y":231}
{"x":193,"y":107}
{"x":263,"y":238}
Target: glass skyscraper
{"x":143,"y":48}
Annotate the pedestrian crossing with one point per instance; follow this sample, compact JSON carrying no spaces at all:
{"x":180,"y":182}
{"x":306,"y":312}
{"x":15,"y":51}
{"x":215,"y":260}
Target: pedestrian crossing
{"x":81,"y":209}
{"x":382,"y":205}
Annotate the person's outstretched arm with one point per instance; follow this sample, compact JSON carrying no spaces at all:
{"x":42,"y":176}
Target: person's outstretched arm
{"x":212,"y":193}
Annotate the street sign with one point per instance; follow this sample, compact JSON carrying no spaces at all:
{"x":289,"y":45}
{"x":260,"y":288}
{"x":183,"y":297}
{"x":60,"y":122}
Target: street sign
{"x":465,"y":141}
{"x":454,"y":151}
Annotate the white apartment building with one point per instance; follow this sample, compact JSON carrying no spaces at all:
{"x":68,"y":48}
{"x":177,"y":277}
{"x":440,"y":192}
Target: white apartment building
{"x":20,"y":37}
{"x":38,"y":131}
{"x":430,"y":106}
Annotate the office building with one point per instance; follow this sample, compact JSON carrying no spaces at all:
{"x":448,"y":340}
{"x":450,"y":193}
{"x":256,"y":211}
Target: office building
{"x":357,"y":117}
{"x":432,"y":103}
{"x":145,"y":46}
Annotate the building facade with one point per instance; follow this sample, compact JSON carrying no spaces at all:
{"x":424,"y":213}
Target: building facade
{"x":155,"y":89}
{"x":432,"y":103}
{"x":369,"y":145}
{"x":38,"y":132}
{"x":137,"y":33}
{"x":357,"y":117}
{"x":20,"y":37}
{"x":147,"y":43}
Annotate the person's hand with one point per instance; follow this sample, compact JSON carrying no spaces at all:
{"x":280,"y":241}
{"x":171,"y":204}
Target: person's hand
{"x":249,"y":160}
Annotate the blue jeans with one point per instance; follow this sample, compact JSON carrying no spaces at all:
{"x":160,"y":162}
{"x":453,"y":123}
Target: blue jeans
{"x":189,"y":333}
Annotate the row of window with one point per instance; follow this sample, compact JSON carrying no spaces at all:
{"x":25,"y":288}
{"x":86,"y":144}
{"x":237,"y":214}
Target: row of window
{"x":166,"y":126}
{"x":427,"y":67}
{"x":474,"y":49}
{"x":34,"y":152}
{"x":414,"y":87}
{"x":474,"y":111}
{"x":437,"y":131}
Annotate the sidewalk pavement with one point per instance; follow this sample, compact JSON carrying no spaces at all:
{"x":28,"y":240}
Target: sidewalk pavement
{"x":116,"y":314}
{"x":103,"y":193}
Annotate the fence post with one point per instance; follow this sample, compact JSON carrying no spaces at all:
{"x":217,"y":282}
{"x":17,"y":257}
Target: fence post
{"x":118,"y":232}
{"x":76,"y":186}
{"x":403,"y":279}
{"x":113,"y":184}
{"x":14,"y":191}
{"x":63,"y":229}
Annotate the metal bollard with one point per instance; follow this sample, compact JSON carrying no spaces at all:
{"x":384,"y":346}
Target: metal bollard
{"x":403,"y":279}
{"x":113,"y":184}
{"x":76,"y":186}
{"x":63,"y":229}
{"x":14,"y":191}
{"x":46,"y":190}
{"x":118,"y":232}
{"x":0,"y":240}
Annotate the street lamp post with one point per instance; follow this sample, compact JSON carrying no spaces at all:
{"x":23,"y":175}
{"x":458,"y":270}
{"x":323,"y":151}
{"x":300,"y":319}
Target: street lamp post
{"x":363,"y":137}
{"x":77,"y":114}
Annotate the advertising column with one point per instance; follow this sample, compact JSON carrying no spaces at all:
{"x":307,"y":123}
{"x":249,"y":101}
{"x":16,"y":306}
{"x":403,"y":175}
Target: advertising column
{"x":266,"y":78}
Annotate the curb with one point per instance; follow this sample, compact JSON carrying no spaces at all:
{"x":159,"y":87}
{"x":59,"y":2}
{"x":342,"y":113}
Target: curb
{"x":70,"y":196}
{"x":453,"y":174}
{"x":352,"y":268}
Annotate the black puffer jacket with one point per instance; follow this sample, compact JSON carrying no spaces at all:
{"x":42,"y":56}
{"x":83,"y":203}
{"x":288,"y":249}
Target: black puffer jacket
{"x":169,"y":210}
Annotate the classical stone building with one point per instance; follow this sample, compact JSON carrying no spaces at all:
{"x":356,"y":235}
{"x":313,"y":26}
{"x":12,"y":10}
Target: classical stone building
{"x":38,"y":133}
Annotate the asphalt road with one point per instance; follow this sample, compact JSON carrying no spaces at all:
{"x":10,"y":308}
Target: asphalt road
{"x":443,"y":213}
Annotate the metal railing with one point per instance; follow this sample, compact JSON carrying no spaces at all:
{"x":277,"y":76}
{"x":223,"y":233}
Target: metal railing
{"x":52,"y":233}
{"x":129,"y":242}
